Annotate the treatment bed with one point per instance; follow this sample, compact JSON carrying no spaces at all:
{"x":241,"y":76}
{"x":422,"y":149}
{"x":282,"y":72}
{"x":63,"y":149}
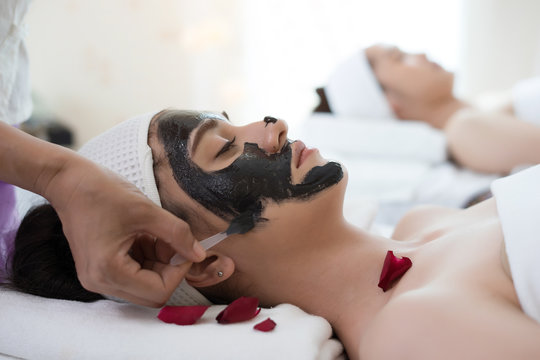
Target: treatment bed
{"x":392,"y":166}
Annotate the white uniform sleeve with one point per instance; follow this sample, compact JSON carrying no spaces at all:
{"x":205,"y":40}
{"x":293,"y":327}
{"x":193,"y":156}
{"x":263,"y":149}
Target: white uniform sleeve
{"x":15,"y":92}
{"x":526,"y":100}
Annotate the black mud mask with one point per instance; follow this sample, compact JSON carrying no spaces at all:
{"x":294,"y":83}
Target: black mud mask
{"x":245,"y":185}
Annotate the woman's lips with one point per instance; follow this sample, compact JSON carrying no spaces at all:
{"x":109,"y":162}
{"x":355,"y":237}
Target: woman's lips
{"x":303,"y":153}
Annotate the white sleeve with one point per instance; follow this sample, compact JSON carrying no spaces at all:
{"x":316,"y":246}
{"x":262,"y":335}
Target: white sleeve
{"x":15,"y":92}
{"x":526,"y":100}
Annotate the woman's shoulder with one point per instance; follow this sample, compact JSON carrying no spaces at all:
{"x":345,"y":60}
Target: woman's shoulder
{"x":421,"y":220}
{"x":432,"y":323}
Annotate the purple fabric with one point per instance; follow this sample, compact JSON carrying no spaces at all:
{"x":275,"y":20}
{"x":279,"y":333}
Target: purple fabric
{"x":8,"y":226}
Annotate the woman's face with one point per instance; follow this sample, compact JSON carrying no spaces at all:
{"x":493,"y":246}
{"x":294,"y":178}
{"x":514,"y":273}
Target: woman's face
{"x":220,"y":171}
{"x":409,"y":76}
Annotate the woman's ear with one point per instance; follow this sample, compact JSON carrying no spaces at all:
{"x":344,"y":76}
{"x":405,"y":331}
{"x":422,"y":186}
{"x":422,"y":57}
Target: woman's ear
{"x":211,"y":271}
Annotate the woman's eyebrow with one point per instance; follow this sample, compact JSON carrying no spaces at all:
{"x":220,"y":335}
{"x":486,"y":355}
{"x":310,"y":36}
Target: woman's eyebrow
{"x":203,"y":128}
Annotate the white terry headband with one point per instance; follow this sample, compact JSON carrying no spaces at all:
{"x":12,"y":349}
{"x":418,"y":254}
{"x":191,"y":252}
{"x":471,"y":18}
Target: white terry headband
{"x":353,"y":90}
{"x":124,"y":149}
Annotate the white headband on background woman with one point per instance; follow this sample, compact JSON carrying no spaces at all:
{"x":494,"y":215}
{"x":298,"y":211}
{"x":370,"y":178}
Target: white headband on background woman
{"x":353,"y":91}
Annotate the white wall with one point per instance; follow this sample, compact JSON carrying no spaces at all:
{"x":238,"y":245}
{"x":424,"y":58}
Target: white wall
{"x":500,"y":44}
{"x":292,"y":46}
{"x":94,"y":63}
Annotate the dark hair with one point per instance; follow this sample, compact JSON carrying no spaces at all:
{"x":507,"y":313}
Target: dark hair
{"x":42,"y":263}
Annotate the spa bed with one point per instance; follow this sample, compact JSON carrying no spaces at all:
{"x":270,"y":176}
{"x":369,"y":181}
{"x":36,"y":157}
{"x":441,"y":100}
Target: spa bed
{"x":392,"y":166}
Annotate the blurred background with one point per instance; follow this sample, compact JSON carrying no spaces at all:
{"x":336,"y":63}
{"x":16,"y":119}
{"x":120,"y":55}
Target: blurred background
{"x":95,"y":63}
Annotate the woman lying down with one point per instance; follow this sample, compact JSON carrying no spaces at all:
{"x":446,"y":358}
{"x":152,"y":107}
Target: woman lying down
{"x":456,"y":301}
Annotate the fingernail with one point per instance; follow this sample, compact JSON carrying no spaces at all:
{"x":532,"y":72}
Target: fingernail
{"x":199,"y":250}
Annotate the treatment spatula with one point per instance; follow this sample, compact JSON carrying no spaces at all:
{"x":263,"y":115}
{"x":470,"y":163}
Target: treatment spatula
{"x":239,"y":225}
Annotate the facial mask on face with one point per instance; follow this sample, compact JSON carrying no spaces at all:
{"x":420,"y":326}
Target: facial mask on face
{"x":241,"y":189}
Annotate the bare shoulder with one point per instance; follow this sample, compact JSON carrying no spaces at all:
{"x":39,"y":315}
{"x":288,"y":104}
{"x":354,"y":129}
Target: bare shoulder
{"x":425,"y":324}
{"x":421,"y":219}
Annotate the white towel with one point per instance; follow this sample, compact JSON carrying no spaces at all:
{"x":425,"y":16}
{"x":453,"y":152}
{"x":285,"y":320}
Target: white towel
{"x":37,"y":328}
{"x":411,"y":140}
{"x":526,"y":100}
{"x":518,"y":205}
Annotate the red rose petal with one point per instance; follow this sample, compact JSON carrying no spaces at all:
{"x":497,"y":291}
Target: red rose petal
{"x":241,"y":309}
{"x":266,"y":325}
{"x":181,"y":315}
{"x":393,"y":269}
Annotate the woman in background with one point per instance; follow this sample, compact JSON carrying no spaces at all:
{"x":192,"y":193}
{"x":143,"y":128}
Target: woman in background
{"x":385,"y":82}
{"x":457,"y":300}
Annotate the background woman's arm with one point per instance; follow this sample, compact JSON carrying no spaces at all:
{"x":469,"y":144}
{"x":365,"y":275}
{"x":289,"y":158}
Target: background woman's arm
{"x":494,"y":142}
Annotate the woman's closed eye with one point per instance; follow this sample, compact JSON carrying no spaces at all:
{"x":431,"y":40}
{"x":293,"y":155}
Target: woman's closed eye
{"x":228,"y":145}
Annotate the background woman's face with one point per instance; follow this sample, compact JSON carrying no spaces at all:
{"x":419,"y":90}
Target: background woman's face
{"x":231,"y":170}
{"x":411,"y":76}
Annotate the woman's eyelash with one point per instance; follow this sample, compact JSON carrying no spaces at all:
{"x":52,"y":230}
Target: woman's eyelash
{"x":227,"y":146}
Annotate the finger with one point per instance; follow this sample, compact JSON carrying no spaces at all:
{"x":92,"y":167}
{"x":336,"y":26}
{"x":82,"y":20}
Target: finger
{"x":111,"y":287}
{"x":153,"y":285}
{"x":144,"y":249}
{"x":163,"y":251}
{"x":176,"y":233}
{"x":117,"y":293}
{"x":150,"y":249}
{"x":108,"y":287}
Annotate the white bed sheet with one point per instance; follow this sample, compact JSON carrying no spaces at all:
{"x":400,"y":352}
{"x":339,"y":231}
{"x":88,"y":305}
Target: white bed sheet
{"x":36,"y":328}
{"x":392,"y":165}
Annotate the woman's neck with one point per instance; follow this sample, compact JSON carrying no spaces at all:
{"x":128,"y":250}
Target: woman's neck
{"x":336,"y":278}
{"x":435,"y":113}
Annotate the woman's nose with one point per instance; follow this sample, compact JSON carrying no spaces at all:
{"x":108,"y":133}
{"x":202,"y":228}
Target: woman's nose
{"x":274,"y":135}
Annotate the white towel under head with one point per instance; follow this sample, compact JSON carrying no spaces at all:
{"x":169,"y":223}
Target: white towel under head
{"x":124,"y":149}
{"x":33,"y":327}
{"x":353,"y":90}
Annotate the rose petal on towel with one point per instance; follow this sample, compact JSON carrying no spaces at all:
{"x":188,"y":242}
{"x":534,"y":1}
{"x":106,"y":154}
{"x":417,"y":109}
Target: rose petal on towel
{"x":266,"y":325}
{"x":393,"y":269}
{"x":181,"y":315}
{"x":242,"y":309}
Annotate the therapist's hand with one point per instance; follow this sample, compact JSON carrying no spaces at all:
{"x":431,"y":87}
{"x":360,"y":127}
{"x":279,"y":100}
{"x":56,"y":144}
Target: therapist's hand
{"x":109,"y":224}
{"x":105,"y":219}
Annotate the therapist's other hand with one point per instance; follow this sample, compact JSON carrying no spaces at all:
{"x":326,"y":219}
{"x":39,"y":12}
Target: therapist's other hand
{"x":121,"y":242}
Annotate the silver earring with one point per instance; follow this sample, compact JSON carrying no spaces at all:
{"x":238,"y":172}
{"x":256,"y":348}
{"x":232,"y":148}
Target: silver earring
{"x":220,"y":273}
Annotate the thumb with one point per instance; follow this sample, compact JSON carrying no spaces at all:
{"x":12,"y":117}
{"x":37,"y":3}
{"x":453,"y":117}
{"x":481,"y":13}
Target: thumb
{"x":175,"y":232}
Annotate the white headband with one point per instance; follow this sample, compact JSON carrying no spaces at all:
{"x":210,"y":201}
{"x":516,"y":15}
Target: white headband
{"x":124,"y":149}
{"x":353,"y":90}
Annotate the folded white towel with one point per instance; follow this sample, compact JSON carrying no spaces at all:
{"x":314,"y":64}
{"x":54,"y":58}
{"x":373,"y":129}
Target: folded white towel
{"x":518,"y":205}
{"x":37,"y":328}
{"x":412,"y":140}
